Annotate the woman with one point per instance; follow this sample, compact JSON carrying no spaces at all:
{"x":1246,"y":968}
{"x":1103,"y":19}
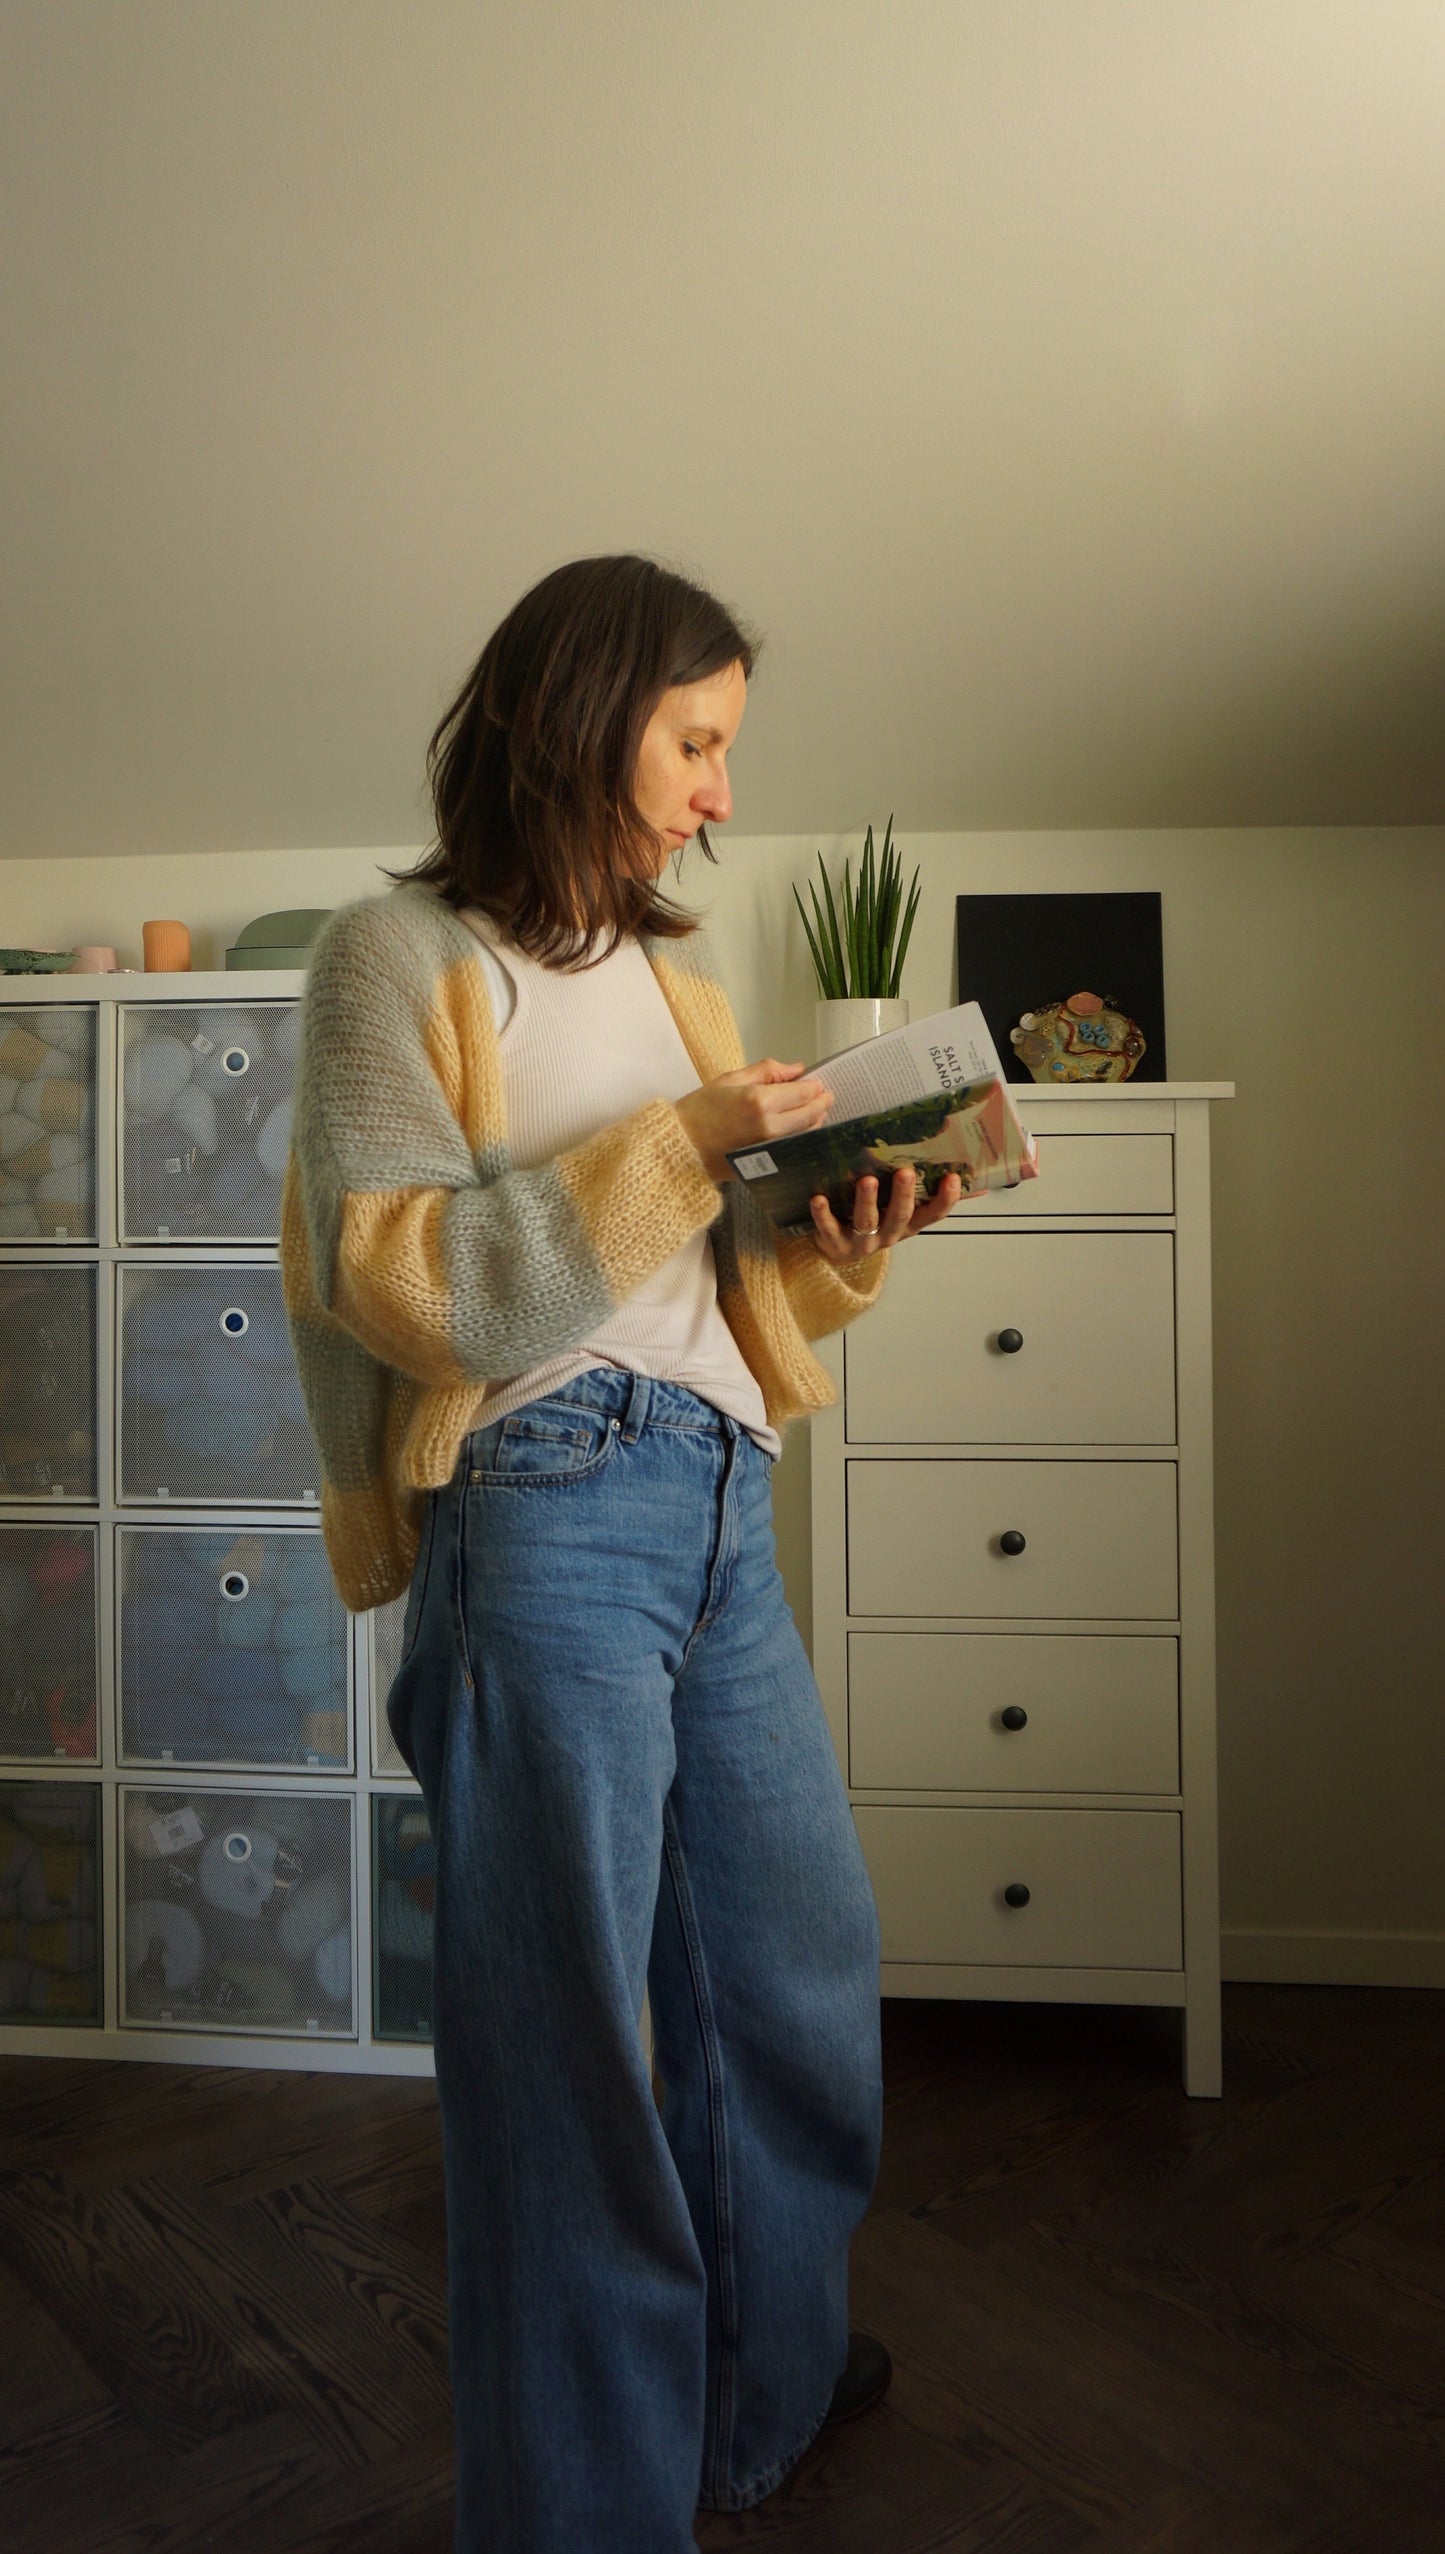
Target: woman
{"x":547,"y":1342}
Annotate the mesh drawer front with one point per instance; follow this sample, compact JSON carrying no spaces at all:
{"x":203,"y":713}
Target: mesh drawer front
{"x":47,"y":1382}
{"x":211,"y":1405}
{"x":403,"y":1880}
{"x":47,"y":1125}
{"x":207,"y":1120}
{"x":47,"y":1642}
{"x":237,"y":1912}
{"x":232,"y":1649}
{"x":49,"y":1902}
{"x":387,"y":1622}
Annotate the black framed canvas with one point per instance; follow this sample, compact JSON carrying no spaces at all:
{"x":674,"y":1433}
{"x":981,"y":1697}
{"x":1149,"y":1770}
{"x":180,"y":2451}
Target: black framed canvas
{"x":1019,"y":953}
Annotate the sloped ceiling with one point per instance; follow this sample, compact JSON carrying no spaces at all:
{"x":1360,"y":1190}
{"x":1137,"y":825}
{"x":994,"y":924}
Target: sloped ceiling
{"x":1059,"y":384}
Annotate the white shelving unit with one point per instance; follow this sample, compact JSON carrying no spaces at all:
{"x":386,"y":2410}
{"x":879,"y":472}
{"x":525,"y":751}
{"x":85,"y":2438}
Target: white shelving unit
{"x":209,"y":1849}
{"x":1013,"y":1576}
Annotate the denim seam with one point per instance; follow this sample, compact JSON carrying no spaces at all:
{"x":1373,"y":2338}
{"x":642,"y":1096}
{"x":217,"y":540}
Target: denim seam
{"x":722,"y":2193}
{"x":720,"y":1572}
{"x":745,"y":2495}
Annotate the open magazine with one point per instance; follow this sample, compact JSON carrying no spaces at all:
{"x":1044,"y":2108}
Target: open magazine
{"x":932,"y":1094}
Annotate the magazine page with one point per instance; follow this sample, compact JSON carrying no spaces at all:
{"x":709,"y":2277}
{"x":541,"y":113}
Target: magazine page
{"x":943,"y":1053}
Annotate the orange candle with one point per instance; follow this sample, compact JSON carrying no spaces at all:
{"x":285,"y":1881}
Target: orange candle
{"x":167,"y":948}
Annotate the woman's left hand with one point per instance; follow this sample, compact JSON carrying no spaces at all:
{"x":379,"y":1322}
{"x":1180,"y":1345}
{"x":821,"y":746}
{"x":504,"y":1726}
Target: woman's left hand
{"x":869,"y":1231}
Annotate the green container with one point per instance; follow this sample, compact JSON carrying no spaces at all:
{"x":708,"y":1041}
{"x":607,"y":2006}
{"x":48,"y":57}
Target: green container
{"x":277,"y":939}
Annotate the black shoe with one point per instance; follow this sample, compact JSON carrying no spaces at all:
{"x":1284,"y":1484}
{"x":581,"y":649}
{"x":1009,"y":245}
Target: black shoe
{"x":864,"y":2381}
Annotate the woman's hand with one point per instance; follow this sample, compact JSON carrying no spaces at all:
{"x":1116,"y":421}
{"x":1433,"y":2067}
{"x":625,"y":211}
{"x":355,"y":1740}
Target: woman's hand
{"x":750,"y":1106}
{"x":869,"y":1231}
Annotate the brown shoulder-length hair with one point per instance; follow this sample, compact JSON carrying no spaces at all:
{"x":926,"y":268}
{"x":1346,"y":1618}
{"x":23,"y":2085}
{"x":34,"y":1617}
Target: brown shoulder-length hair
{"x":532,"y":768}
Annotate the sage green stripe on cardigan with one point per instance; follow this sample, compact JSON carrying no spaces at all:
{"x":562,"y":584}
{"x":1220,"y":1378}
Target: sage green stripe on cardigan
{"x":419,"y":1264}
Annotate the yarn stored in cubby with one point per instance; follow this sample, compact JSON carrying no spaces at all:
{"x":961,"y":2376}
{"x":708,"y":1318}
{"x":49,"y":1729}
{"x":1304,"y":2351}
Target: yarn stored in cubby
{"x":62,"y":1565}
{"x":404,"y":1932}
{"x":165,"y":1826}
{"x":160,"y":1934}
{"x":323,"y":1734}
{"x":17,"y":1593}
{"x":58,"y":1997}
{"x":224,"y":1374}
{"x":237,"y":1177}
{"x":309,"y":1674}
{"x":70,"y":1031}
{"x":165,"y":1316}
{"x":60,"y":1106}
{"x":306,"y":1624}
{"x":159,"y":1621}
{"x":162,"y":1380}
{"x":14,"y":1985}
{"x":216,"y":1434}
{"x":61,"y":1942}
{"x":238,"y":1870}
{"x":22,"y":1054}
{"x":332,"y":1966}
{"x":165,"y":1715}
{"x":310,"y":1913}
{"x":245,"y":1623}
{"x":157,"y":1069}
{"x":240,"y":1676}
{"x":53,"y":1811}
{"x":267,"y":1990}
{"x":194,"y":1112}
{"x":274,"y":1141}
{"x":301,"y":1569}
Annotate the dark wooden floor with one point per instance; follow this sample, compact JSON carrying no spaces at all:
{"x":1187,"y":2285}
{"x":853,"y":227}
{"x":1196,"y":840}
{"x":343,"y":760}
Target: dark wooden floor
{"x":1121,"y":2321}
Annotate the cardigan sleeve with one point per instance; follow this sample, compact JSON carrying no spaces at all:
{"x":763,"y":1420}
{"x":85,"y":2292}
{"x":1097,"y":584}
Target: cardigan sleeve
{"x":822,"y":1297}
{"x":440,"y":1259}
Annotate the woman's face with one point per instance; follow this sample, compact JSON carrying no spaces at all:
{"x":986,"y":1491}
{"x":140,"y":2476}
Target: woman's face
{"x":681,"y":780}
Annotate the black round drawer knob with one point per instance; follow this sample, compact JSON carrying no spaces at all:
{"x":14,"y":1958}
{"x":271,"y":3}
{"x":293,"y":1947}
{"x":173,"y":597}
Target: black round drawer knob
{"x":1012,"y":1542}
{"x":1015,"y":1717}
{"x":1010,"y":1342}
{"x":1016,"y":1895}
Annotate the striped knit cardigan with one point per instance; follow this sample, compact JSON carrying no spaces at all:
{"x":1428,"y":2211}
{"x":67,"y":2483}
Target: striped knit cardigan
{"x":418,"y":1264}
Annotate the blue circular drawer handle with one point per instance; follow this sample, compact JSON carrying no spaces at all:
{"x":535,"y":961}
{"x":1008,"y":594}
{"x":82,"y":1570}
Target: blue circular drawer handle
{"x":235,"y":1061}
{"x":1012,"y":1543}
{"x":235,"y":1321}
{"x":1016,"y":1895}
{"x":234,"y":1585}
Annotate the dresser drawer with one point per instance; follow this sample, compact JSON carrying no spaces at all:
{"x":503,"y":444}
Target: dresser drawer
{"x":1103,"y":1886}
{"x":926,"y":1711}
{"x":1088,"y":1175}
{"x":925,"y":1536}
{"x":1019,"y":1339}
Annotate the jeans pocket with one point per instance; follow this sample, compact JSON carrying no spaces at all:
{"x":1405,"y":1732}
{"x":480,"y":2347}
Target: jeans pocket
{"x":420,"y":1574}
{"x":546,"y":1444}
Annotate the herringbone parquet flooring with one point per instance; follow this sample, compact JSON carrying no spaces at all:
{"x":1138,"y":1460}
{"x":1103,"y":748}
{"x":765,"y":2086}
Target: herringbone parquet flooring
{"x":1121,"y":2321}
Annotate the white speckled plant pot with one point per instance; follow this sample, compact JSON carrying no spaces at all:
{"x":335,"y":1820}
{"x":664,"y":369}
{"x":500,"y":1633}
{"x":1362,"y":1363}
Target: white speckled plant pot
{"x":840,"y":1024}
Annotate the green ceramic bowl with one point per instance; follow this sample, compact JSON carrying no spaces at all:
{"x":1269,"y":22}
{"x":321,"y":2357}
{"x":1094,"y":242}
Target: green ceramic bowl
{"x":35,"y":961}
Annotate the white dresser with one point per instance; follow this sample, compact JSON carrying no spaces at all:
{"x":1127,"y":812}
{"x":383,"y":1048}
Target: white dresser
{"x":1013,"y":1577}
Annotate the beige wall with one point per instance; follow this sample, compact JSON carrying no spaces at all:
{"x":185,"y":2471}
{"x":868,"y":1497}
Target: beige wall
{"x":1304,"y":965}
{"x":1060,"y":383}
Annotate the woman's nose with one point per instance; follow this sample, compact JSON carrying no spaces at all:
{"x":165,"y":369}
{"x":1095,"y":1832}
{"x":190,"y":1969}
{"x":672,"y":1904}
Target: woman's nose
{"x":715,"y":799}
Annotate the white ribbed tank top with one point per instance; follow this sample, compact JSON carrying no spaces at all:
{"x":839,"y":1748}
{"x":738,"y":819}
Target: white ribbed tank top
{"x":578,"y":1053}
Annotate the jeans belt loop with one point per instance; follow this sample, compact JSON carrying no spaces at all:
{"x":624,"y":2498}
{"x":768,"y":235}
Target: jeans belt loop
{"x":639,"y":1402}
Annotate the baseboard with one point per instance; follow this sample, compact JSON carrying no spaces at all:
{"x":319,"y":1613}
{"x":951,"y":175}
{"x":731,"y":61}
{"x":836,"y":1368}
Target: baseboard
{"x":1272,"y":1958}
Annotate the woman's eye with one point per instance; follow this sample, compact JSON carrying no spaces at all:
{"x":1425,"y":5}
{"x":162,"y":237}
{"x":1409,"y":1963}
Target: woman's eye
{"x":689,"y":748}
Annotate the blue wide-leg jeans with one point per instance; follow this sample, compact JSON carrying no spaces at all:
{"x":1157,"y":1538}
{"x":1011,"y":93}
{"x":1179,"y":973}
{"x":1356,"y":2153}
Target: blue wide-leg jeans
{"x":630,"y":1780}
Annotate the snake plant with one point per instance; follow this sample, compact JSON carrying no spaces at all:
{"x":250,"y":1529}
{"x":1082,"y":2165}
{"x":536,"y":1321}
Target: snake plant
{"x":864,"y":953}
